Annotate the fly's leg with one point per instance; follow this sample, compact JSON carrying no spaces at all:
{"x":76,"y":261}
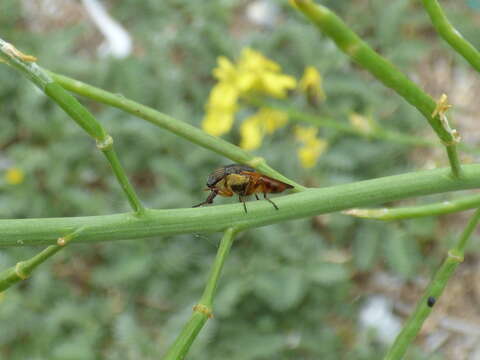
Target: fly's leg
{"x":242,"y":200}
{"x":243,"y":195}
{"x":256,"y":196}
{"x":270,"y":201}
{"x":209,"y":199}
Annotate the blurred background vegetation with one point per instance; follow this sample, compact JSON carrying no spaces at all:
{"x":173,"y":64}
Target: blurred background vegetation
{"x":298,"y":290}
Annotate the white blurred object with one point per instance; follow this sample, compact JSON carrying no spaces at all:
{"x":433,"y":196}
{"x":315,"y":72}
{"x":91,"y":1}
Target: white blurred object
{"x":118,"y":41}
{"x":263,"y":12}
{"x":293,"y":339}
{"x":377,"y":314}
{"x":435,"y":340}
{"x":5,"y":162}
{"x":475,"y":355}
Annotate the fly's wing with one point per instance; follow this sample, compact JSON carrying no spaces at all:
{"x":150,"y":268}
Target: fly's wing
{"x":273,"y":185}
{"x":220,"y":173}
{"x":215,"y":177}
{"x":237,"y":169}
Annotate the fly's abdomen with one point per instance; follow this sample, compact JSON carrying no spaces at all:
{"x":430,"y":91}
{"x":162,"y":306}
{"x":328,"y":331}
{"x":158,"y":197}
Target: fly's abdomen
{"x":274,"y":186}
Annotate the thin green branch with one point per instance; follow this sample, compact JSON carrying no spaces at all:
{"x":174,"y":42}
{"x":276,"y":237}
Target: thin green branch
{"x":410,"y":212}
{"x":322,"y":121}
{"x":432,"y":293}
{"x":454,"y":160}
{"x":107,"y":149}
{"x":223,"y":250}
{"x":203,"y":310}
{"x":462,"y":242}
{"x":378,"y":133}
{"x":180,"y":128}
{"x":23,"y":269}
{"x":383,"y":70}
{"x":450,"y":34}
{"x":220,"y":217}
{"x":76,"y":111}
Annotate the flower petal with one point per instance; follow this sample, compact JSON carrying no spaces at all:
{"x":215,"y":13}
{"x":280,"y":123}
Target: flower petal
{"x":311,"y":83}
{"x":305,"y":134}
{"x":225,"y":71}
{"x":218,"y":123}
{"x":223,"y":96}
{"x":14,"y":176}
{"x":253,"y":60}
{"x":251,"y":133}
{"x":310,"y":153}
{"x":276,"y":85}
{"x":272,"y":119}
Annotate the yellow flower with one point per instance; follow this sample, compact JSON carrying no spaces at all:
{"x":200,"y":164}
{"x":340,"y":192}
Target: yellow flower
{"x":264,"y":75}
{"x":309,"y":154}
{"x":312,"y":147}
{"x":361,"y":123}
{"x":252,"y":73}
{"x":256,"y":126}
{"x":240,"y":79}
{"x":221,"y":108}
{"x":272,"y":119}
{"x":225,"y":71}
{"x":218,"y":123}
{"x":305,"y":134}
{"x":253,"y":60}
{"x":275,"y":85}
{"x":251,"y":134}
{"x":311,"y":83}
{"x":14,"y":176}
{"x":223,"y":96}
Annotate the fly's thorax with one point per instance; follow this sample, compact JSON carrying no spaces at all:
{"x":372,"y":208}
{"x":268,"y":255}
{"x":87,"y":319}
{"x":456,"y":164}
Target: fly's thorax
{"x":237,"y":183}
{"x":219,"y":185}
{"x":225,"y":171}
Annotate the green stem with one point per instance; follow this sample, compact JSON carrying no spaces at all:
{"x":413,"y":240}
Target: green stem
{"x":462,"y":242}
{"x":381,"y":68}
{"x":321,"y":121}
{"x":450,"y":34}
{"x":220,"y":217}
{"x":223,"y":250}
{"x":23,"y":269}
{"x":410,"y":212}
{"x":378,"y":133}
{"x":203,"y":310}
{"x":76,"y":111}
{"x":434,"y":291}
{"x":109,"y":152}
{"x":454,"y":160}
{"x":175,"y":126}
{"x":398,"y":137}
{"x":9,"y":55}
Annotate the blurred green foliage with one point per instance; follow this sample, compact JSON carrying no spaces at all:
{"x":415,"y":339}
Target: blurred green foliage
{"x":281,"y":295}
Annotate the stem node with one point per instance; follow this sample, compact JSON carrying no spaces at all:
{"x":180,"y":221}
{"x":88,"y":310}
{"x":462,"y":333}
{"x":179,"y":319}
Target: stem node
{"x":256,"y":162}
{"x":105,"y":144}
{"x":452,"y":254}
{"x":19,"y":270}
{"x":13,"y":51}
{"x":203,"y":309}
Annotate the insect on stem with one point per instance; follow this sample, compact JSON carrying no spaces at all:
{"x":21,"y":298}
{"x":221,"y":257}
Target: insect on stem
{"x":243,"y":181}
